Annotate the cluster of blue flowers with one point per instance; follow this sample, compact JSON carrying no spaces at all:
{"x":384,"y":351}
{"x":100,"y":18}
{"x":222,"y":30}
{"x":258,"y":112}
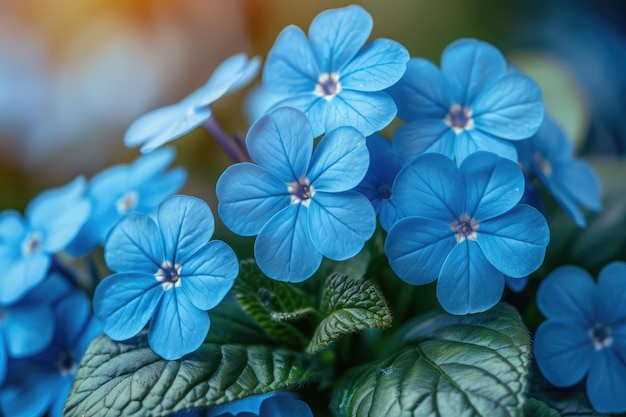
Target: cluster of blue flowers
{"x":450,"y":190}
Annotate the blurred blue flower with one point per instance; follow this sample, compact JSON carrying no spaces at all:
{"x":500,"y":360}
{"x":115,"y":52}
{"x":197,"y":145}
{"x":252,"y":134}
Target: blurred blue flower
{"x":473,"y":103}
{"x":40,"y":383}
{"x":120,"y":189}
{"x":299,"y":202}
{"x":27,"y":243}
{"x":334,"y":77}
{"x":169,"y":123}
{"x":378,"y":182}
{"x":272,"y":404}
{"x":548,"y":157}
{"x":464,"y":227}
{"x":168,"y":272}
{"x":585,"y":333}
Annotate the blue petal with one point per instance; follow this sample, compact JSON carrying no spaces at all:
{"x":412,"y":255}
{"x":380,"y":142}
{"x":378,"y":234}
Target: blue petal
{"x":313,"y":106}
{"x":579,"y":183}
{"x":510,"y":108}
{"x":567,"y":295}
{"x":471,"y":141}
{"x":284,"y":406}
{"x":125,"y":302}
{"x":30,"y":393}
{"x":177,"y":327}
{"x":340,"y":224}
{"x":471,"y":65}
{"x":388,"y":214}
{"x":135,"y":245}
{"x":284,"y":250}
{"x":367,"y":112}
{"x":493,"y":185}
{"x":258,"y":101}
{"x":377,"y":66}
{"x":186,"y":224}
{"x":13,"y":227}
{"x":281,"y":143}
{"x":563,"y":352}
{"x":72,"y":313}
{"x":515,"y":242}
{"x":29,"y":329}
{"x":249,"y":197}
{"x":209,"y":274}
{"x":467,"y":282}
{"x":417,"y":248}
{"x":21,"y":275}
{"x":3,"y":360}
{"x":606,"y":382}
{"x":338,"y":34}
{"x":415,"y":138}
{"x":148,"y":166}
{"x":250,"y":404}
{"x":290,"y":67}
{"x":422,"y":93}
{"x":516,"y":284}
{"x":154,"y":190}
{"x":340,"y":161}
{"x":430,"y":186}
{"x":612,"y":294}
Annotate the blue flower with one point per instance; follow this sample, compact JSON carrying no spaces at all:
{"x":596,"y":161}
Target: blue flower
{"x":585,"y":333}
{"x":464,"y":226}
{"x":299,"y":202}
{"x":168,"y":272}
{"x":378,"y":182}
{"x":334,"y":77}
{"x":171,"y":122}
{"x":547,"y":156}
{"x":473,"y":103}
{"x":27,"y":243}
{"x":272,"y":404}
{"x":120,"y":189}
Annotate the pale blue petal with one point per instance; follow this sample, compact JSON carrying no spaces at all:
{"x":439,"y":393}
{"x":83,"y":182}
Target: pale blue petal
{"x":21,"y":275}
{"x":284,"y":250}
{"x":464,"y":146}
{"x":135,"y":245}
{"x":232,"y":74}
{"x":340,"y":224}
{"x":125,"y":302}
{"x":415,"y":138}
{"x":612,"y":294}
{"x":510,"y":108}
{"x":493,"y":185}
{"x":282,"y":405}
{"x":430,"y":186}
{"x":290,"y":67}
{"x":13,"y":227}
{"x":578,"y":180}
{"x":551,"y":141}
{"x":515,"y":242}
{"x":281,"y":142}
{"x":367,"y":112}
{"x":471,"y":65}
{"x":567,"y":295}
{"x":338,"y":34}
{"x":186,"y":224}
{"x":147,"y":166}
{"x":209,"y":274}
{"x":177,"y":327}
{"x":340,"y":161}
{"x":29,"y":329}
{"x":313,"y":106}
{"x":417,"y":247}
{"x":377,"y":66}
{"x":471,"y":141}
{"x":258,"y":101}
{"x":563,"y":352}
{"x":154,"y":190}
{"x":606,"y":382}
{"x":467,"y":282}
{"x":422,"y":93}
{"x":249,"y":197}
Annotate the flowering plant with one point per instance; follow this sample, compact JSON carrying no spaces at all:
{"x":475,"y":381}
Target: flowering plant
{"x":381,"y":256}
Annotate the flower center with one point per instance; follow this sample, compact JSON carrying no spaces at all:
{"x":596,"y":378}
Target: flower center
{"x":459,"y":118}
{"x":32,"y":243}
{"x":464,"y":227}
{"x":384,"y":192}
{"x":327,"y":86}
{"x":127,"y":202}
{"x":544,"y":164}
{"x":66,"y":364}
{"x":301,"y":191}
{"x":169,"y":275}
{"x":600,"y":335}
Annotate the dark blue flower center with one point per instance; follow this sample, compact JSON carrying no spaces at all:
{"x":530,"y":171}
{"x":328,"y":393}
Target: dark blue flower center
{"x":31,"y":243}
{"x":169,"y":275}
{"x":464,"y":227}
{"x":65,"y":363}
{"x":301,"y":191}
{"x":600,"y":335}
{"x":327,"y":86}
{"x":384,"y":192}
{"x":459,"y":118}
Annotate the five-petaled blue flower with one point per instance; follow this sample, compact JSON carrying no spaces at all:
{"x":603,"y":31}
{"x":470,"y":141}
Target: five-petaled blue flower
{"x":273,"y":404}
{"x":27,"y":243}
{"x":464,"y":227}
{"x":473,"y":103}
{"x":168,"y":272}
{"x":120,"y":189}
{"x":585,"y":333}
{"x":299,"y":202}
{"x":547,"y":156}
{"x":334,"y":77}
{"x":171,"y":122}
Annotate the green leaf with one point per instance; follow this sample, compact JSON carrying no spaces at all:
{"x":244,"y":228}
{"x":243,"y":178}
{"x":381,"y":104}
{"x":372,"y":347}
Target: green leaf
{"x":272,"y":304}
{"x":230,"y":324}
{"x":538,"y":408}
{"x":129,"y":379}
{"x":447,"y":366}
{"x":349,"y":306}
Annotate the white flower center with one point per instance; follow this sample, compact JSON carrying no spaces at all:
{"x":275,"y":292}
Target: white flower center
{"x":600,"y":335}
{"x":328,"y":86}
{"x":459,"y":118}
{"x":169,"y":275}
{"x":127,"y":202}
{"x":301,"y":191}
{"x":32,"y":243}
{"x":464,"y":227}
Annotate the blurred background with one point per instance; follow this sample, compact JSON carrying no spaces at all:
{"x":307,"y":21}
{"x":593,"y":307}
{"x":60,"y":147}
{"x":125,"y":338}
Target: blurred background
{"x":75,"y":73}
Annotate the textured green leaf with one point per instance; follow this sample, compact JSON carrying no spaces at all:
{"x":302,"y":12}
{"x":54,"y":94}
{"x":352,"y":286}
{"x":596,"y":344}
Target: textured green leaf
{"x":272,"y":304}
{"x":538,"y":408}
{"x":129,"y":379}
{"x":349,"y":306}
{"x":447,"y":366}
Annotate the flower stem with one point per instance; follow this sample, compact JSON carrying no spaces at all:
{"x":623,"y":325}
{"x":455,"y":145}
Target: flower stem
{"x":234,"y":147}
